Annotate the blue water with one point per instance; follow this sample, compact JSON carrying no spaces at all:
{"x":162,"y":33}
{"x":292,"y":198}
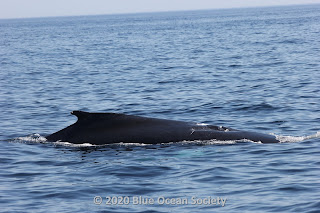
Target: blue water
{"x":252,"y":69}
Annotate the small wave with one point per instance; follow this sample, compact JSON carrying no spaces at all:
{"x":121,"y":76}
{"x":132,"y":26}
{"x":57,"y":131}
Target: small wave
{"x":35,"y":138}
{"x":210,"y":142}
{"x":202,"y":124}
{"x":291,"y":41}
{"x":294,"y":139}
{"x":235,"y":65}
{"x":257,"y":107}
{"x":61,"y":143}
{"x":194,"y":142}
{"x":121,"y":144}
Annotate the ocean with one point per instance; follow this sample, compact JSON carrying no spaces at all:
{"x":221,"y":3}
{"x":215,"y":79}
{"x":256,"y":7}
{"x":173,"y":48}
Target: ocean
{"x":254,"y":69}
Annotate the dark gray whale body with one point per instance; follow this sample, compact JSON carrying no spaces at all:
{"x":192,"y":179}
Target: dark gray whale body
{"x":107,"y":128}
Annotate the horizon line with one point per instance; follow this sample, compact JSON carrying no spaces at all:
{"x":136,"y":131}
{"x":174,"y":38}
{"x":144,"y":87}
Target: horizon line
{"x":159,"y":11}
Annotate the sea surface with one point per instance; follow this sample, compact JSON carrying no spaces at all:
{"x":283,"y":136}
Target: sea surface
{"x":254,"y":69}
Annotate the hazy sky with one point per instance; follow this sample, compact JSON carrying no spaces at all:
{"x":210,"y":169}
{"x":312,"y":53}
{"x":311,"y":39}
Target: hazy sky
{"x":42,"y":8}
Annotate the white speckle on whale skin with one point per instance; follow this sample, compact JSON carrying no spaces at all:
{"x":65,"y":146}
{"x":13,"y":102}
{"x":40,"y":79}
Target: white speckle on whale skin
{"x":192,"y":131}
{"x":221,"y":128}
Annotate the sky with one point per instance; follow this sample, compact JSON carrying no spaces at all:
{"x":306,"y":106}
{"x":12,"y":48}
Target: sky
{"x":46,"y":8}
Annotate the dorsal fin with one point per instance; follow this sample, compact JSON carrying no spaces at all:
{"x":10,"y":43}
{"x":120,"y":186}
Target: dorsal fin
{"x":81,"y":115}
{"x":115,"y":118}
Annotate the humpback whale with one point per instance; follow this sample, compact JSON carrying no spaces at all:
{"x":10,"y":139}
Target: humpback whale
{"x":107,"y":128}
